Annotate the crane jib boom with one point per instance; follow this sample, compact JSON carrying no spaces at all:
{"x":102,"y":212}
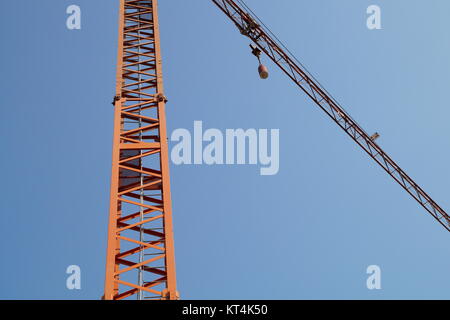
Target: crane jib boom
{"x":248,"y":25}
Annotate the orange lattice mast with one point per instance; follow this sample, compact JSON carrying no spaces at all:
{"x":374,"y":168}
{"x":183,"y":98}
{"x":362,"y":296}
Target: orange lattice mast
{"x":140,"y":261}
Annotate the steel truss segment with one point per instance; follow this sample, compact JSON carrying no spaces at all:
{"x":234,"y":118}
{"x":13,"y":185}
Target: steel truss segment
{"x":248,"y":25}
{"x":140,"y":255}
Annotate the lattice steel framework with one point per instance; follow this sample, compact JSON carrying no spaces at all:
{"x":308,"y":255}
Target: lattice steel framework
{"x":140,"y":255}
{"x":267,"y":42}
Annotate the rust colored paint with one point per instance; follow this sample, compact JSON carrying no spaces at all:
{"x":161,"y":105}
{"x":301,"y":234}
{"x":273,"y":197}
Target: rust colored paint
{"x":140,"y":260}
{"x":263,"y":71}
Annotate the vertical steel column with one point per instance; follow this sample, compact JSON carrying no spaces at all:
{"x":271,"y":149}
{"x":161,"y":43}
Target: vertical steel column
{"x":140,"y":260}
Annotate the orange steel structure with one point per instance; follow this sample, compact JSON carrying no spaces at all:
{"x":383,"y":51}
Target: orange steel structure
{"x":140,"y":254}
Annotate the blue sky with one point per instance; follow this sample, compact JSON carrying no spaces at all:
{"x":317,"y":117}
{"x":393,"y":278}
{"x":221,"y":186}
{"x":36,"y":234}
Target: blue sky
{"x":308,"y":232}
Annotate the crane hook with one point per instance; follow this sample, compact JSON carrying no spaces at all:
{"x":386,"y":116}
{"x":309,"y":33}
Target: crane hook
{"x":262,"y":69}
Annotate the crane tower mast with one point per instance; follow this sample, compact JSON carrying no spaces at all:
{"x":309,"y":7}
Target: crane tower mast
{"x":140,"y":254}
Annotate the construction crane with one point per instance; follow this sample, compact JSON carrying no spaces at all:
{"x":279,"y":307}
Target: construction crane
{"x":265,"y":41}
{"x":140,"y":254}
{"x":140,"y":259}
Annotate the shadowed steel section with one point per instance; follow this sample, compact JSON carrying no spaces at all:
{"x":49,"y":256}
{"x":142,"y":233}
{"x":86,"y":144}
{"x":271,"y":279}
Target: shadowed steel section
{"x":250,"y":26}
{"x":140,"y":261}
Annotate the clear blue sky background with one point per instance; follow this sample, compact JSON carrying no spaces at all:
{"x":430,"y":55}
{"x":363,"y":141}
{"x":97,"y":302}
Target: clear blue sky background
{"x":308,"y":232}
